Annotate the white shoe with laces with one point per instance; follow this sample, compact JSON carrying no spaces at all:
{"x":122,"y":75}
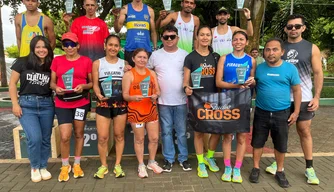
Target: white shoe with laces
{"x":35,"y":175}
{"x":46,"y":175}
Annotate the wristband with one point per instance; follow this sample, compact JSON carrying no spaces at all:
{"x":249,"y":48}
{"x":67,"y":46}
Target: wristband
{"x":249,"y":19}
{"x":184,"y":89}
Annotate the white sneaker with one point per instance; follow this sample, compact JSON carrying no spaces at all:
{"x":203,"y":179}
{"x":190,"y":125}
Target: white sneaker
{"x":46,"y":175}
{"x":35,"y":175}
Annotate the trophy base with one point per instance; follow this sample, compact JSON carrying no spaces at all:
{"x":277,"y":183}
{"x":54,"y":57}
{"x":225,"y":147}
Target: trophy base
{"x":239,"y":9}
{"x":196,"y":87}
{"x":69,"y":90}
{"x":170,"y":11}
{"x":147,"y":96}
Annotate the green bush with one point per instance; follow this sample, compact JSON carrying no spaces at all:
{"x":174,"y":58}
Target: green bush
{"x":58,"y":51}
{"x":13,"y":51}
{"x":327,"y":92}
{"x":330,"y":64}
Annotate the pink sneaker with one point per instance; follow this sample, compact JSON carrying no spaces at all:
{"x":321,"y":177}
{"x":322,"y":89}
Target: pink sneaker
{"x":142,"y":173}
{"x":154,"y":167}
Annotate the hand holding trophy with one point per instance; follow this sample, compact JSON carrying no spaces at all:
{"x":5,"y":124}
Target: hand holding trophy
{"x":68,"y":80}
{"x":196,"y":78}
{"x":69,"y":6}
{"x":145,"y":86}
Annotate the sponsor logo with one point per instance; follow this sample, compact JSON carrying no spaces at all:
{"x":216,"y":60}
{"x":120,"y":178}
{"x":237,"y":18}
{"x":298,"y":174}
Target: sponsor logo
{"x":89,"y":30}
{"x":273,"y":75}
{"x":139,"y":25}
{"x":107,"y":73}
{"x":38,"y":79}
{"x":140,"y":33}
{"x":211,"y":111}
{"x":208,"y":70}
{"x":146,"y":17}
{"x":291,"y":56}
{"x":132,"y":16}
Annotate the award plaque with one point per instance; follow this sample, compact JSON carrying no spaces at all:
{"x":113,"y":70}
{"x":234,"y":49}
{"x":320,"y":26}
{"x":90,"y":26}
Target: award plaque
{"x":69,"y":6}
{"x":107,"y":86}
{"x":168,"y":5}
{"x":68,"y":79}
{"x":196,"y":78}
{"x":118,"y":3}
{"x":240,"y":5}
{"x":144,"y":86}
{"x":241,"y":74}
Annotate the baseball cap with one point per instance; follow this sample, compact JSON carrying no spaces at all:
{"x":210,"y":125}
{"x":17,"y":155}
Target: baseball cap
{"x":222,"y":9}
{"x":70,"y":36}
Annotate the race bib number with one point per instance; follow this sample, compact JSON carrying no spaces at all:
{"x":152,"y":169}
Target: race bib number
{"x":139,"y":125}
{"x":79,"y":114}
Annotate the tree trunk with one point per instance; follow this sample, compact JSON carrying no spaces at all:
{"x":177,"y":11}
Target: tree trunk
{"x":3,"y":72}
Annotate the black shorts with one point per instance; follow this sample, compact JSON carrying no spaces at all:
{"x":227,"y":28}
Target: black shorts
{"x":128,"y":57}
{"x":111,"y":112}
{"x":67,"y":115}
{"x":276,"y":123}
{"x":304,"y":114}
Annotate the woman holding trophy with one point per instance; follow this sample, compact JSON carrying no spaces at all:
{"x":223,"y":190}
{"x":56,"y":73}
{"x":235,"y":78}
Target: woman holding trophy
{"x":71,"y":79}
{"x":107,"y":84}
{"x":141,"y":90}
{"x":235,"y":71}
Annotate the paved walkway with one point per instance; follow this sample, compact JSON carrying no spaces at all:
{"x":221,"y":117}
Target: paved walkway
{"x":16,"y":177}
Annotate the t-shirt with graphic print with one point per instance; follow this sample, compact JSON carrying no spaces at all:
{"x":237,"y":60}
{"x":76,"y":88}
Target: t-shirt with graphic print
{"x":32,"y":82}
{"x":91,"y":34}
{"x":209,"y":64}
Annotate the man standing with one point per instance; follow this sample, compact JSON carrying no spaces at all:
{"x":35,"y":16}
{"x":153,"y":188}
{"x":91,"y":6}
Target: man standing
{"x":274,"y":80}
{"x":306,"y":57}
{"x":186,"y":23}
{"x":91,"y":31}
{"x":255,"y":54}
{"x":32,"y":23}
{"x":168,"y":64}
{"x":222,"y":34}
{"x":139,"y":19}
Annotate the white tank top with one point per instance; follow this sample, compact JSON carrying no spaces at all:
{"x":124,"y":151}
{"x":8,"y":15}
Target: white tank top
{"x":222,"y":44}
{"x":186,"y":33}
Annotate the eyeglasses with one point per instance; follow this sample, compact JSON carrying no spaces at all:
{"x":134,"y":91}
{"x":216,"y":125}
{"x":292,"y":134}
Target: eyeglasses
{"x":296,"y":26}
{"x":69,"y":43}
{"x":166,"y":37}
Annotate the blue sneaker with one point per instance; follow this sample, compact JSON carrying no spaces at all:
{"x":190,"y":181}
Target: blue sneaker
{"x":236,"y":176}
{"x":210,"y":162}
{"x":201,"y":171}
{"x":227,"y":174}
{"x":311,"y":176}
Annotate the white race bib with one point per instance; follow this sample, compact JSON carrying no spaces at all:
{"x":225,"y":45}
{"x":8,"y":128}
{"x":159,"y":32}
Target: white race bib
{"x":79,"y":114}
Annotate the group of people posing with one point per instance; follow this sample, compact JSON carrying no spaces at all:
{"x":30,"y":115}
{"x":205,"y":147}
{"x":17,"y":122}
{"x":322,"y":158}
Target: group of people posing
{"x":282,"y":82}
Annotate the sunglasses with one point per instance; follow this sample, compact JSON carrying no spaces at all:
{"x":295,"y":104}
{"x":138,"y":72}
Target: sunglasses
{"x":296,"y":26}
{"x":69,"y":43}
{"x":166,"y":37}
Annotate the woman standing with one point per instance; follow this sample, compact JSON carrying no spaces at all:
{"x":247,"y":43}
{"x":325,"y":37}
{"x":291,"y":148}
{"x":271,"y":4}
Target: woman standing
{"x":72,"y":101}
{"x":201,"y":57}
{"x":227,"y":79}
{"x":35,"y":107}
{"x":110,"y":70}
{"x":143,"y":110}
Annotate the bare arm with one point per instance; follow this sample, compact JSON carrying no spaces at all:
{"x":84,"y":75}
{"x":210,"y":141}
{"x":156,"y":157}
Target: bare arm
{"x":162,"y":15}
{"x":197,"y":24}
{"x":318,"y":78}
{"x":67,"y":20}
{"x":95,"y":76}
{"x":156,"y":92}
{"x":168,"y":19}
{"x":250,"y":81}
{"x":49,"y":28}
{"x":120,"y":18}
{"x":220,"y":75}
{"x":53,"y":84}
{"x":14,"y":78}
{"x":297,"y":97}
{"x":18,"y":30}
{"x":154,"y":37}
{"x":249,"y":30}
{"x":186,"y":79}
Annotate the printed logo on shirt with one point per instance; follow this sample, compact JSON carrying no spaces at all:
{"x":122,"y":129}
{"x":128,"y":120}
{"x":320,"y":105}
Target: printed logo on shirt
{"x":132,"y":16}
{"x":273,"y":75}
{"x":89,"y":30}
{"x":113,"y":73}
{"x":291,"y":56}
{"x":208,"y":70}
{"x":146,"y":17}
{"x":140,"y":33}
{"x":38,"y":79}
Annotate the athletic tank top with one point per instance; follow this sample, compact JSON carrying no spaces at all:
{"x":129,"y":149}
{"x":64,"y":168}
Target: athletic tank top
{"x":138,"y":26}
{"x":144,"y":110}
{"x":222,"y":44}
{"x":300,"y":54}
{"x":29,"y":32}
{"x":116,"y":71}
{"x":232,"y":63}
{"x":186,"y":33}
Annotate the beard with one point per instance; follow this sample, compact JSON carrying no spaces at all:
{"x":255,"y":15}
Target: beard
{"x":222,"y":22}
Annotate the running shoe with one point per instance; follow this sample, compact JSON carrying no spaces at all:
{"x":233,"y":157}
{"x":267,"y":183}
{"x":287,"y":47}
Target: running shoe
{"x":154,"y":167}
{"x":35,"y":175}
{"x":119,"y":171}
{"x":77,"y":171}
{"x":201,"y":171}
{"x":254,"y":175}
{"x":46,"y":175}
{"x":311,"y":176}
{"x":227,"y":174}
{"x":101,"y":171}
{"x":281,"y":179}
{"x":142,"y":173}
{"x":272,"y":168}
{"x":210,"y":162}
{"x":167,"y":167}
{"x":185,"y":166}
{"x":64,"y":173}
{"x":236,"y":176}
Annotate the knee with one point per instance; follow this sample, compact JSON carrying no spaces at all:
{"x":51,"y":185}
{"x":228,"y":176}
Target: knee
{"x":119,"y":137}
{"x":241,"y":139}
{"x":103,"y":140}
{"x":65,"y":139}
{"x":166,"y":133}
{"x":154,"y":140}
{"x":304,"y":131}
{"x":228,"y":138}
{"x":139,"y":140}
{"x":79,"y":135}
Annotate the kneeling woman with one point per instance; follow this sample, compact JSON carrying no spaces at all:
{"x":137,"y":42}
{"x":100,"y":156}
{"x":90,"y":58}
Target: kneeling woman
{"x":109,"y":70}
{"x":72,"y":101}
{"x":35,"y":108}
{"x":142,"y":110}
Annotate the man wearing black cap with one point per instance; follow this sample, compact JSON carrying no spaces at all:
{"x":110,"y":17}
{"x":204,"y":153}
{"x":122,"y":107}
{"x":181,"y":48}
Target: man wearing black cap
{"x":222,"y":34}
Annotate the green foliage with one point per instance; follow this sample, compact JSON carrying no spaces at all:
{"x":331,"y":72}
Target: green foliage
{"x":330,"y":64}
{"x":13,"y":51}
{"x":323,"y":33}
{"x":327,"y":92}
{"x":58,"y":51}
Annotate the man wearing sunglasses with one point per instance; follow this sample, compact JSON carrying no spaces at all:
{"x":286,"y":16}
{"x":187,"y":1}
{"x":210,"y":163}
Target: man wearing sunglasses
{"x":90,"y":29}
{"x":186,"y":23}
{"x":306,"y":57}
{"x":222,"y":34}
{"x":168,"y":64}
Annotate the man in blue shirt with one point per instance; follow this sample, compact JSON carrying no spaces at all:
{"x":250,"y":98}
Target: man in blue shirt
{"x":274,"y":80}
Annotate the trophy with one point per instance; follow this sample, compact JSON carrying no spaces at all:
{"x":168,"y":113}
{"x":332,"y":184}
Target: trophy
{"x":144,"y":86}
{"x":118,"y":3}
{"x":196,"y":78}
{"x":69,"y":6}
{"x":241,"y":74}
{"x":240,"y":5}
{"x":107,"y":86}
{"x":167,"y":5}
{"x":68,"y":79}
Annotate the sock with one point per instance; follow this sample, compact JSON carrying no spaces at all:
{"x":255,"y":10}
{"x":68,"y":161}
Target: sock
{"x":309,"y":163}
{"x":151,"y":161}
{"x":227,"y":162}
{"x":238,"y":164}
{"x":77,"y":160}
{"x":64,"y":161}
{"x":210,"y":154}
{"x":141,"y":164}
{"x":200,"y":158}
